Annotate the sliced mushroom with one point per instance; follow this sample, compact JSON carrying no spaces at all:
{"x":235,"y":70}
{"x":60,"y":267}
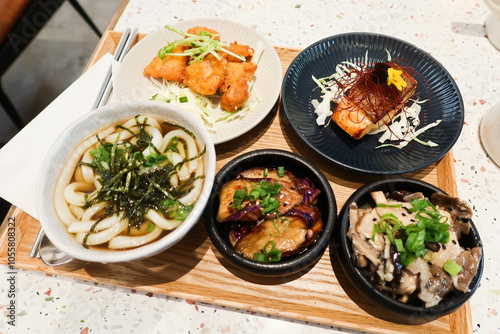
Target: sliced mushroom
{"x":469,"y":261}
{"x":363,"y":247}
{"x":434,"y":283}
{"x":407,"y":283}
{"x":379,"y":197}
{"x":459,"y":210}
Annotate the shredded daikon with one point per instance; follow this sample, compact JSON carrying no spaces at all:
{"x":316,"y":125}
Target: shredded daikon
{"x":403,"y":128}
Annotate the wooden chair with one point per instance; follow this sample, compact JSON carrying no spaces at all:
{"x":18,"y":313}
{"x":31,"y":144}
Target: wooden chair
{"x":20,"y":22}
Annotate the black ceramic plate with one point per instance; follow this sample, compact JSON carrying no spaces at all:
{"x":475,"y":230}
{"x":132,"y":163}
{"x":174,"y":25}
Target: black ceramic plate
{"x":320,"y":59}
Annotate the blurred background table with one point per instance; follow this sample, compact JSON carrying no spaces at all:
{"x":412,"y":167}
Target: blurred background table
{"x":451,"y":31}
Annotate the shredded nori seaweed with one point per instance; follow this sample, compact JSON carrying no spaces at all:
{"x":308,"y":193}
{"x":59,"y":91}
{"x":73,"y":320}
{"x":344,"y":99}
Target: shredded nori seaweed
{"x":132,"y":184}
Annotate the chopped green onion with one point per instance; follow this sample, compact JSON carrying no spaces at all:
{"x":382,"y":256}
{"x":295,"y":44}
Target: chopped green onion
{"x":407,"y":258}
{"x":429,"y":256}
{"x":452,"y":268}
{"x":277,"y":229}
{"x":274,"y":254}
{"x":150,"y":228}
{"x":154,"y":159}
{"x":266,"y":171}
{"x":431,"y":227}
{"x":383,"y":205}
{"x":101,"y":154}
{"x":264,"y":191}
{"x":287,"y":223}
{"x":183,"y":212}
{"x":165,"y":204}
{"x":399,"y":245}
{"x":183,"y":99}
{"x":239,"y":196}
{"x":172,"y":146}
{"x":159,"y":97}
{"x":281,"y":171}
{"x":282,"y":221}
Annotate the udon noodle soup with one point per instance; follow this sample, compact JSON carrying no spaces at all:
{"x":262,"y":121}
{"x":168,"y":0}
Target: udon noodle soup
{"x":130,"y":184}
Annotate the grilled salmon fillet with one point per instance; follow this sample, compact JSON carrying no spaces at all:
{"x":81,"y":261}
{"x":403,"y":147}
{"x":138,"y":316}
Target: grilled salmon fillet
{"x":364,"y":109}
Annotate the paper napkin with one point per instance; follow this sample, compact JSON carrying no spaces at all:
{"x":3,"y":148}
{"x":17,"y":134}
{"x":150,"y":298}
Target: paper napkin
{"x":21,"y":158}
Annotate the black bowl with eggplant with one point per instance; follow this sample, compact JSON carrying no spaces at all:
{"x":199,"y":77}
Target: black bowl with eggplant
{"x":409,"y":248}
{"x":271,"y":213}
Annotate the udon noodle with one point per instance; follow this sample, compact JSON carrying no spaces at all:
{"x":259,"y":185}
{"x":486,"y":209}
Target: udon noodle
{"x":129,"y":184}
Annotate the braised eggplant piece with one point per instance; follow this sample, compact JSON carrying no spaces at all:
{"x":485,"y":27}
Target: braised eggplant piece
{"x":409,"y":246}
{"x":252,"y":210}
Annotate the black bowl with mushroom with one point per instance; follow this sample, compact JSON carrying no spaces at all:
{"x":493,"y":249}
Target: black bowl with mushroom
{"x":409,"y":248}
{"x":258,"y":239}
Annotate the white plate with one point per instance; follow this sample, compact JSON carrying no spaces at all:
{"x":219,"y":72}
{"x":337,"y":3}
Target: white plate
{"x":130,"y":84}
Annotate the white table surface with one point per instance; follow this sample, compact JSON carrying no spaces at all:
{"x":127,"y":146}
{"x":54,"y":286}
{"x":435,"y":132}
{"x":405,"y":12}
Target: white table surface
{"x":452,"y":31}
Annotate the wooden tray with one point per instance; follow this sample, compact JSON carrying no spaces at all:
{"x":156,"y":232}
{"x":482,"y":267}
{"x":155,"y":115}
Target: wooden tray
{"x":195,"y":270}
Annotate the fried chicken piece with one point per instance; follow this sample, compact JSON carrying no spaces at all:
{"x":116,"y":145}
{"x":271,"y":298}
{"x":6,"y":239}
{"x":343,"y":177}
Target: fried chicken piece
{"x":237,"y":72}
{"x":206,"y":76}
{"x":170,"y":68}
{"x":240,"y":50}
{"x":235,"y":87}
{"x":197,"y":30}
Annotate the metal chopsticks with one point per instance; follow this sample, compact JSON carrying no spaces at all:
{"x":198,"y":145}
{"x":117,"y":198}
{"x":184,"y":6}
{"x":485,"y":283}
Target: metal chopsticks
{"x":122,"y":49}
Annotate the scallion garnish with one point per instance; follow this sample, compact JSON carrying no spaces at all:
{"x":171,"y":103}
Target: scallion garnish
{"x":452,"y":268}
{"x":277,"y":229}
{"x":172,"y":146}
{"x":273,"y":255}
{"x":399,"y":245}
{"x":383,"y":205}
{"x":281,"y":221}
{"x":264,"y":191}
{"x":281,"y":171}
{"x":200,"y":46}
{"x":431,"y":226}
{"x":151,"y":227}
{"x":159,"y":97}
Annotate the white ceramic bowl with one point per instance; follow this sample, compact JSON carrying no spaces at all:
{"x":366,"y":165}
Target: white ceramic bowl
{"x":83,"y":128}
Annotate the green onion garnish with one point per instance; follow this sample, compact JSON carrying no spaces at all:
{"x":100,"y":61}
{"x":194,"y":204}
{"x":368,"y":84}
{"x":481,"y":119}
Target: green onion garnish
{"x":183,"y":99}
{"x":431,"y":226}
{"x":281,"y":171}
{"x":265,"y":191}
{"x":200,"y":46}
{"x":274,"y":254}
{"x":282,"y":221}
{"x":159,"y":97}
{"x":277,"y":229}
{"x":399,"y":245}
{"x":382,"y":205}
{"x":452,"y":268}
